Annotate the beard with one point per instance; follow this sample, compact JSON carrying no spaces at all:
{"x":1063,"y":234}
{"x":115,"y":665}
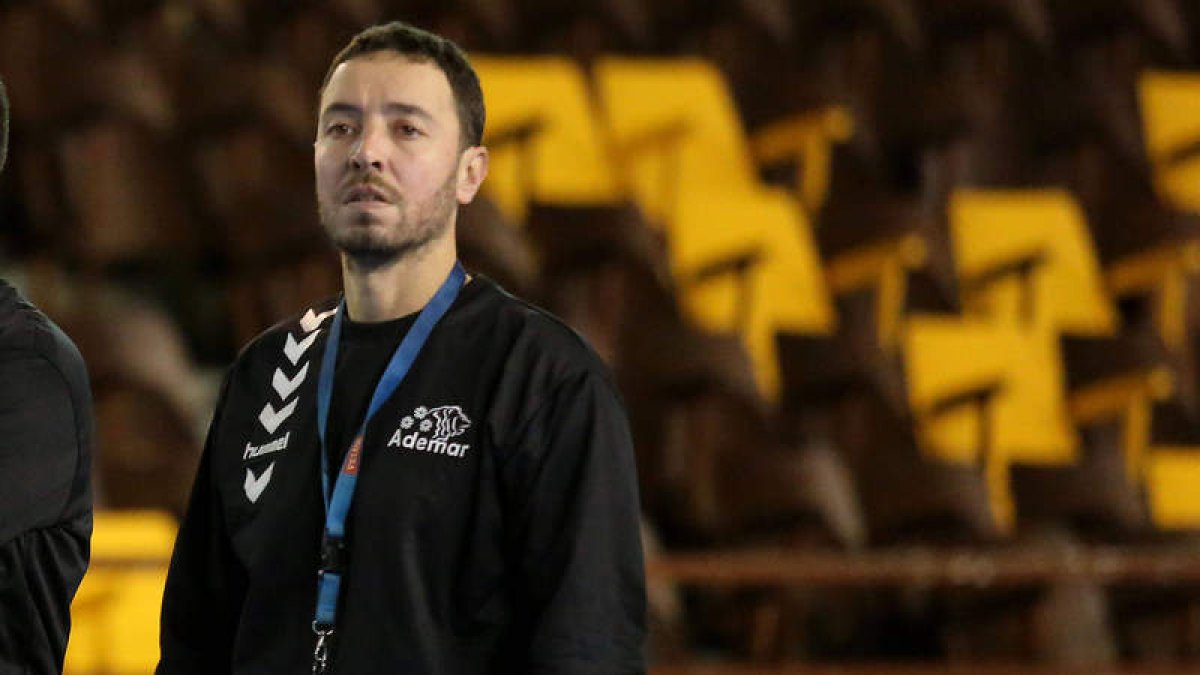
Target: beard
{"x":369,"y":245}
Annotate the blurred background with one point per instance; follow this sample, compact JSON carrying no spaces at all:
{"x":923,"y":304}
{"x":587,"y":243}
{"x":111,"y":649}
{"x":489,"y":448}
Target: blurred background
{"x":902,"y":295}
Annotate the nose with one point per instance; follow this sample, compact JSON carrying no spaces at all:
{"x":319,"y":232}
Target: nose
{"x":368,"y":153}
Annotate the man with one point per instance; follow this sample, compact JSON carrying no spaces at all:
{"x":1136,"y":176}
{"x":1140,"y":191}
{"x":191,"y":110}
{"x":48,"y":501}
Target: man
{"x":45,"y":463}
{"x":429,"y":476}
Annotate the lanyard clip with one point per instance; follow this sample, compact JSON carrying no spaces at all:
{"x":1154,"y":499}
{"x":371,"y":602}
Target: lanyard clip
{"x":321,"y":651}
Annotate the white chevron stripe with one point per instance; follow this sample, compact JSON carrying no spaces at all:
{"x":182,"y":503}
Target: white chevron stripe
{"x":254,"y":486}
{"x":294,"y":350}
{"x":286,"y":387}
{"x":311,"y":321}
{"x":271,"y":419}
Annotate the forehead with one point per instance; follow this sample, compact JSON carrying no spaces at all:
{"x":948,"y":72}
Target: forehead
{"x":389,"y":77}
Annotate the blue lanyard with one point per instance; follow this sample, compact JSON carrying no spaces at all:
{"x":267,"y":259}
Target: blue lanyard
{"x":333,"y":559}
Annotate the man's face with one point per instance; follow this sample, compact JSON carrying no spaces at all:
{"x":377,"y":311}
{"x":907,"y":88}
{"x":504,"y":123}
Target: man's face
{"x":388,"y":169}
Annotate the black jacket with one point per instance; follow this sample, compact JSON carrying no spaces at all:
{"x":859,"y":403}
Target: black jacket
{"x":45,"y":494}
{"x":494,"y":528}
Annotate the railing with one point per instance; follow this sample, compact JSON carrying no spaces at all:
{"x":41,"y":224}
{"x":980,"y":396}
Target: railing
{"x":929,"y":567}
{"x":930,"y":669}
{"x":974,"y":567}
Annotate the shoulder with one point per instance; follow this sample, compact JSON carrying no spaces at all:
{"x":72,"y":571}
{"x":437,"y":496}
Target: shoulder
{"x":22,"y":326}
{"x":539,"y":363}
{"x":293,"y":335}
{"x":531,"y":338}
{"x":291,"y":341}
{"x":25,"y":332}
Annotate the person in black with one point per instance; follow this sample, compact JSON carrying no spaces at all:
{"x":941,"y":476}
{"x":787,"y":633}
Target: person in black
{"x":45,"y":464}
{"x":494,"y":524}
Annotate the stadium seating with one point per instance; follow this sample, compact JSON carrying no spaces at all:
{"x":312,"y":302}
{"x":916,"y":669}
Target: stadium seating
{"x":875,"y":278}
{"x":1169,"y":106}
{"x":543,"y":136}
{"x":115,"y":613}
{"x":678,"y":137}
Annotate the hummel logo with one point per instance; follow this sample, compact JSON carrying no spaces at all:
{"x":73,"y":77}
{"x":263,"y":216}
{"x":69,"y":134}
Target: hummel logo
{"x":294,"y":350}
{"x":311,"y":321}
{"x":285,"y":387}
{"x":277,"y":445}
{"x":254,"y":486}
{"x":270,"y":419}
{"x":434,"y":430}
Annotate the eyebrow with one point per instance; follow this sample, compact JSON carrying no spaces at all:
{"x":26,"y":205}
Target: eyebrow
{"x":394,"y":108}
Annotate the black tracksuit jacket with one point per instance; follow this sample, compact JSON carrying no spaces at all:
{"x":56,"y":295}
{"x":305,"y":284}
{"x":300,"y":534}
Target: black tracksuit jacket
{"x":494,"y":528}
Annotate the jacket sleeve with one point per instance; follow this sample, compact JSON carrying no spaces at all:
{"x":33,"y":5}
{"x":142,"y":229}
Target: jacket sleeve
{"x":205,"y":582}
{"x":45,"y":507}
{"x":574,"y":499}
{"x":40,"y":446}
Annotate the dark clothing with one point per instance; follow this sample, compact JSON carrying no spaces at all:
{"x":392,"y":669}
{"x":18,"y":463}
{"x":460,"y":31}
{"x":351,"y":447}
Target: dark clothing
{"x":45,"y":493}
{"x":363,"y":355}
{"x":494,"y":528}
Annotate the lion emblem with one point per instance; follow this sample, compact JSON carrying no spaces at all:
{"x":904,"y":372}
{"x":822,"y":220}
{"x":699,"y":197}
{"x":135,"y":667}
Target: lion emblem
{"x":449,"y":421}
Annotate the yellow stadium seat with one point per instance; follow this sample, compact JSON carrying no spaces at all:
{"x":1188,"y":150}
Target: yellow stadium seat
{"x":115,"y":614}
{"x":675,"y":129}
{"x":945,"y":355}
{"x":543,"y":135}
{"x":1024,"y":421}
{"x":1170,"y":107}
{"x":743,"y":263}
{"x":1025,"y":256}
{"x":1172,"y":477}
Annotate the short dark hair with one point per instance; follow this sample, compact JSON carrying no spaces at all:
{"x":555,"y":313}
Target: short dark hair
{"x":423,"y":46}
{"x":3,"y":125}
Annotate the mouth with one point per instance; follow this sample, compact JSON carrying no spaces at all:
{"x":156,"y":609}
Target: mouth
{"x":366,"y":194}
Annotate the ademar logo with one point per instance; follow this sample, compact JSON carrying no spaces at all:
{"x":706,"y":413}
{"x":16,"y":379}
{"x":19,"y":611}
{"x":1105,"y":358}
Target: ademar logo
{"x":430,"y":430}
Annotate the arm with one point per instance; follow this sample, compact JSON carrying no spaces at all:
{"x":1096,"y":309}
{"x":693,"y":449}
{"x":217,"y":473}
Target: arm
{"x":40,"y":448}
{"x":205,"y":583}
{"x":575,"y":522}
{"x":45,"y":507}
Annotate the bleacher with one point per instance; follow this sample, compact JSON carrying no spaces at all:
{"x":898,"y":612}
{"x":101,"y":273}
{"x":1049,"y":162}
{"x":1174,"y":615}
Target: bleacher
{"x":903,"y":296}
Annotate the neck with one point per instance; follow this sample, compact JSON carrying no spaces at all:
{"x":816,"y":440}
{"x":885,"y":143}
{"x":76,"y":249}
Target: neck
{"x":398,"y":288}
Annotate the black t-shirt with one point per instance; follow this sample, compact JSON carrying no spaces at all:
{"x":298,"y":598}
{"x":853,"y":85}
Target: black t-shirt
{"x":364,"y":351}
{"x":45,"y":493}
{"x":494,"y":528}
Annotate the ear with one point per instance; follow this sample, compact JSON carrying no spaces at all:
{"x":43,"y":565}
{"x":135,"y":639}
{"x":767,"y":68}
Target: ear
{"x":472,"y":169}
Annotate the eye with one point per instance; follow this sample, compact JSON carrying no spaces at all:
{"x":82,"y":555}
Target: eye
{"x":338,"y":129}
{"x":408,"y":130}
